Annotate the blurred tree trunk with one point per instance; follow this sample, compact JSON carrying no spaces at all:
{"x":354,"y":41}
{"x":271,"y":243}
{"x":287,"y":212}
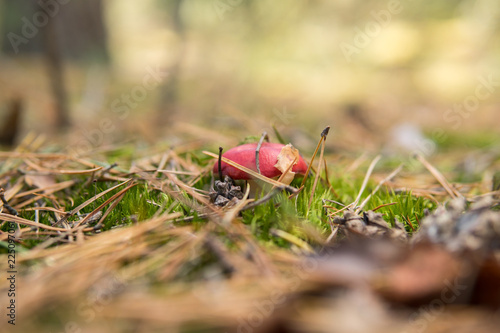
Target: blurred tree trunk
{"x":82,"y":30}
{"x":73,"y":29}
{"x":10,"y":129}
{"x":170,"y":88}
{"x":79,"y":24}
{"x":53,"y":58}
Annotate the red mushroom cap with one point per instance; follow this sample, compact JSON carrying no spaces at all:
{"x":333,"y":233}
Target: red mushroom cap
{"x":245,"y":156}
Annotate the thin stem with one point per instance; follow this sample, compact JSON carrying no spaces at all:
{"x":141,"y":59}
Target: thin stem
{"x":323,"y":137}
{"x":318,"y":172}
{"x":333,"y":201}
{"x":384,"y":205}
{"x":365,"y":181}
{"x":257,"y":150}
{"x":220,"y":163}
{"x":327,"y":179}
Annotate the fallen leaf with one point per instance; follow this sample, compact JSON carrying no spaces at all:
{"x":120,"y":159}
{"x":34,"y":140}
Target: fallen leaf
{"x":287,"y":158}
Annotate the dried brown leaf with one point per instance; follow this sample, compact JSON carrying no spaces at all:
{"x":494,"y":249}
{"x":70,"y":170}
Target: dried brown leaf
{"x":287,"y":158}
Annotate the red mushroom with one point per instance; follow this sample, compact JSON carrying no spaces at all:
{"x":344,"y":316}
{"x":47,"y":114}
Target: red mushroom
{"x":268,"y":161}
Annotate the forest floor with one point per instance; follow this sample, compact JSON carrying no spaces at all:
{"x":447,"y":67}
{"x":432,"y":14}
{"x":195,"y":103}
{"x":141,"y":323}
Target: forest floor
{"x":124,"y":238}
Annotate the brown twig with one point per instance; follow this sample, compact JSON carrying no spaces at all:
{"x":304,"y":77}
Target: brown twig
{"x":9,"y":208}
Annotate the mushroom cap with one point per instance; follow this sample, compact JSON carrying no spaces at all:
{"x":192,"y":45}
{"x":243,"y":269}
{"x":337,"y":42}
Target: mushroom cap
{"x":245,"y":156}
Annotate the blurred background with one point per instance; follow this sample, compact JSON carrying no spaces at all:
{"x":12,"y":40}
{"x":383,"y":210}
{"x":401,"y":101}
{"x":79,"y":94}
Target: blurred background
{"x":381,"y":73}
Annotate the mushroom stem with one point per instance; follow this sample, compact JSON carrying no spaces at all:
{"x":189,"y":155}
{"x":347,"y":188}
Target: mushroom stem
{"x":220,"y":163}
{"x":257,"y":150}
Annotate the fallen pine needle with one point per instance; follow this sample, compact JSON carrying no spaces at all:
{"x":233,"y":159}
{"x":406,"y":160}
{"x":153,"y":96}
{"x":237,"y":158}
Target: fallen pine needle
{"x":365,"y":181}
{"x":439,"y":177}
{"x":384,"y":205}
{"x":382,"y":182}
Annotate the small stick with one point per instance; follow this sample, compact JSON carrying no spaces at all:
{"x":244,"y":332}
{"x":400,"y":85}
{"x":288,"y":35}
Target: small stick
{"x":220,"y":163}
{"x":114,"y":165}
{"x":9,"y":208}
{"x":257,"y":150}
